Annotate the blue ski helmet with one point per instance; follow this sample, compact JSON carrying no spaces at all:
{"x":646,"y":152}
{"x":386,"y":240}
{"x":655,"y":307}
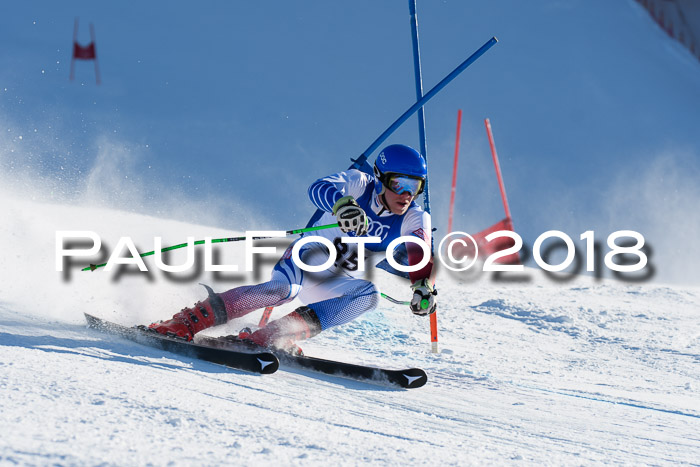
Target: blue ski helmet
{"x":396,"y":166}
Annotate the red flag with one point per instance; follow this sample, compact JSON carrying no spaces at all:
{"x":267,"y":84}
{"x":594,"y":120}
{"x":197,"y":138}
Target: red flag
{"x":487,"y":248}
{"x":84,"y":52}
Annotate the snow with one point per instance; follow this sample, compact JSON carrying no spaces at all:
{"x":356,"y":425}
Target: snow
{"x":588,"y":371}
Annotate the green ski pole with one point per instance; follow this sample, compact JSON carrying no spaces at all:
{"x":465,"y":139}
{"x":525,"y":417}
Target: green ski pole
{"x":92,"y":267}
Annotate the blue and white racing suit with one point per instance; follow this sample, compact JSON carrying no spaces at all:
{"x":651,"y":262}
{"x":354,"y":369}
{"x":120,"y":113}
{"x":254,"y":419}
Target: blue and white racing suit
{"x":340,"y":293}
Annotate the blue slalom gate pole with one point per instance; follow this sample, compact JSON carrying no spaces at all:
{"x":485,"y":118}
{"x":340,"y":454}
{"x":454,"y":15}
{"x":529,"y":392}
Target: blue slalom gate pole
{"x":417,"y":71}
{"x":423,"y":100}
{"x":359,"y":162}
{"x":423,"y":144}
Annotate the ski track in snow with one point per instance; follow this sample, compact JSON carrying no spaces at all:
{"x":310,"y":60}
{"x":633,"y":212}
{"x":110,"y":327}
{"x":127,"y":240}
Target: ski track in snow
{"x":578,"y":373}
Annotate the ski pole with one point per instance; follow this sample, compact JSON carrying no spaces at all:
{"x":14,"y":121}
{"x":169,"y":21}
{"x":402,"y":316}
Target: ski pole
{"x":92,"y":267}
{"x":393,"y":300}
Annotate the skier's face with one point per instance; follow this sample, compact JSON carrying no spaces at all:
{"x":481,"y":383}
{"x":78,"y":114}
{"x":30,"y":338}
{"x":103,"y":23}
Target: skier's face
{"x":397,"y":204}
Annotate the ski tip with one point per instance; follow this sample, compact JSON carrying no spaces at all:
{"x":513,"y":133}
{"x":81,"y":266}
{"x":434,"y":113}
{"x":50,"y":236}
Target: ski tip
{"x":268,"y":363}
{"x":91,"y":320}
{"x":413,"y":378}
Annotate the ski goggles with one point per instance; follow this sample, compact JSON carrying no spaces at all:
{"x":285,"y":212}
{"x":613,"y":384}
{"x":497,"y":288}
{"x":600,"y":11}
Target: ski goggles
{"x":401,"y":184}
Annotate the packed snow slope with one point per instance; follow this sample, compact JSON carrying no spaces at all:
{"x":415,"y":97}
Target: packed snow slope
{"x":579,"y":372}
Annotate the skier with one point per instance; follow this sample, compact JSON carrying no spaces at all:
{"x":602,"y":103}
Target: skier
{"x":381,"y":206}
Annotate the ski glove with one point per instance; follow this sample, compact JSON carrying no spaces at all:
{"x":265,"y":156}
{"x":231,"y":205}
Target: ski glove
{"x":423,"y":302}
{"x":351,"y":217}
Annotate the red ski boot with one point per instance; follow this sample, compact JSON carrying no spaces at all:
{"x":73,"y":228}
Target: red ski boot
{"x":283,"y":333}
{"x":189,"y":321}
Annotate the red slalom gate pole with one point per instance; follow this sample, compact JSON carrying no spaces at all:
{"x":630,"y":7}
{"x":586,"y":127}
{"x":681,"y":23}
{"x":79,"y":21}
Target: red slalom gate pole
{"x":454,"y":172}
{"x":498,"y":169}
{"x":265,"y":316}
{"x":433,"y":317}
{"x":433,"y":333}
{"x":94,"y":45}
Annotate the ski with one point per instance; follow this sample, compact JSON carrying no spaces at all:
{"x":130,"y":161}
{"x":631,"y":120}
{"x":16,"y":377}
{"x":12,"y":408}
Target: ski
{"x":408,"y":378}
{"x":254,"y":360}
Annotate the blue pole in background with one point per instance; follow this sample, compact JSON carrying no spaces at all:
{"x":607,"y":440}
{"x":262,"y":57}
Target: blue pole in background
{"x":422,"y":101}
{"x":360,"y":161}
{"x":419,"y":95}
